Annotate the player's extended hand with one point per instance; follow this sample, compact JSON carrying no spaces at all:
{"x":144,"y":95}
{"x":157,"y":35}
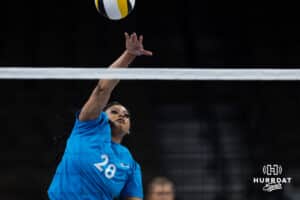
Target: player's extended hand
{"x":134,"y":45}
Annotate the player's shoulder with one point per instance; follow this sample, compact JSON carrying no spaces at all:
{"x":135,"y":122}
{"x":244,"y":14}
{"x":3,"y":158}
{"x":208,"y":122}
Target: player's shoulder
{"x":101,"y":120}
{"x":123,"y":149}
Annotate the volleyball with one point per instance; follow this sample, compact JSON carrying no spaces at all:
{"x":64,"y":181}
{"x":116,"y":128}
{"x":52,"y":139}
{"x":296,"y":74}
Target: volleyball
{"x":114,"y":9}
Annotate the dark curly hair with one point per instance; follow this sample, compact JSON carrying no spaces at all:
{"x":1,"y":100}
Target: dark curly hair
{"x":113,"y":103}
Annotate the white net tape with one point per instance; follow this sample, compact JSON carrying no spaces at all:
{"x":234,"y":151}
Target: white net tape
{"x":149,"y":73}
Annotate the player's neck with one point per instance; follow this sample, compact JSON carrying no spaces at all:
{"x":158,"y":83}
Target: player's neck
{"x":117,"y":139}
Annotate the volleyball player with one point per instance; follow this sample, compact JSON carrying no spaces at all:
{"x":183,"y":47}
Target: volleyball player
{"x":95,"y":165}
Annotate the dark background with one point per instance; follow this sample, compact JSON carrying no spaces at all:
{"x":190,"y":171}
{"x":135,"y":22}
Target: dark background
{"x":181,"y":33}
{"x":210,"y":138}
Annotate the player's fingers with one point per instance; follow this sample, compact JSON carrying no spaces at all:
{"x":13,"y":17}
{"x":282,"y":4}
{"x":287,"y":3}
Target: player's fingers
{"x":147,"y":53}
{"x":126,"y":35}
{"x":133,"y":37}
{"x":141,"y":38}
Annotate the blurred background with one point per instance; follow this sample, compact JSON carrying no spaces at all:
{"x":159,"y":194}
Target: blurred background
{"x":181,"y":33}
{"x":210,"y":138}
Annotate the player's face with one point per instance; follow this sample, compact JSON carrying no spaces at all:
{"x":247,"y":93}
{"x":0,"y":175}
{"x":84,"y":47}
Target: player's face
{"x":162,"y":192}
{"x":120,"y":118}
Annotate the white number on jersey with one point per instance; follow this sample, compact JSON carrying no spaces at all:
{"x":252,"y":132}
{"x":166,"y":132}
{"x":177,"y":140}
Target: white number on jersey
{"x":110,"y":170}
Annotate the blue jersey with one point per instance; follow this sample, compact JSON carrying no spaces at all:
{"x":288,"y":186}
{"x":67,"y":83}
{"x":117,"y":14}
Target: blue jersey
{"x":93,"y":167}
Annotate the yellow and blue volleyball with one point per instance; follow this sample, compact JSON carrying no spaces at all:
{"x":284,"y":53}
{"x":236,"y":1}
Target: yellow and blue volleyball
{"x":114,"y":9}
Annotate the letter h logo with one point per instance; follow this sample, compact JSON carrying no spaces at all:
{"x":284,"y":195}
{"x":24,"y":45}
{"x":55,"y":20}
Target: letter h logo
{"x":274,"y":170}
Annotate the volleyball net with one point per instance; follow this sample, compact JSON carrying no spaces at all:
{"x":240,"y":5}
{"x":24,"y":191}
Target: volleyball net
{"x":150,"y":74}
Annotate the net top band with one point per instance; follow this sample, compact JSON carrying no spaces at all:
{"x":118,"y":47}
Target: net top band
{"x":149,"y":73}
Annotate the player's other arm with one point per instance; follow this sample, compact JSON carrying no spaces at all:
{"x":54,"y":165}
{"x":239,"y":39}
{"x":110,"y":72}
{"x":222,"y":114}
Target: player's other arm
{"x":101,"y":94}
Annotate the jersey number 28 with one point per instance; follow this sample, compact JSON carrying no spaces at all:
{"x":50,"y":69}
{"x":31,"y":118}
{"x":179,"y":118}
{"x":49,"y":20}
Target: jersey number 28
{"x":110,"y":169}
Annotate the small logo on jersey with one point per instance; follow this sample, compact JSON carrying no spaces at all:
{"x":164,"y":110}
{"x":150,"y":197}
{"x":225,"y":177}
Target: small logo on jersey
{"x":124,"y":165}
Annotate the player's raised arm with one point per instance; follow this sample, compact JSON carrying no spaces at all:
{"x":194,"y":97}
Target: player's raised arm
{"x":101,"y":93}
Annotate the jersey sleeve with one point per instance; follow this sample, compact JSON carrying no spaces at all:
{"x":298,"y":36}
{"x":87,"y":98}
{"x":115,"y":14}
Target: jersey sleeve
{"x":99,"y":125}
{"x":134,"y":186}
